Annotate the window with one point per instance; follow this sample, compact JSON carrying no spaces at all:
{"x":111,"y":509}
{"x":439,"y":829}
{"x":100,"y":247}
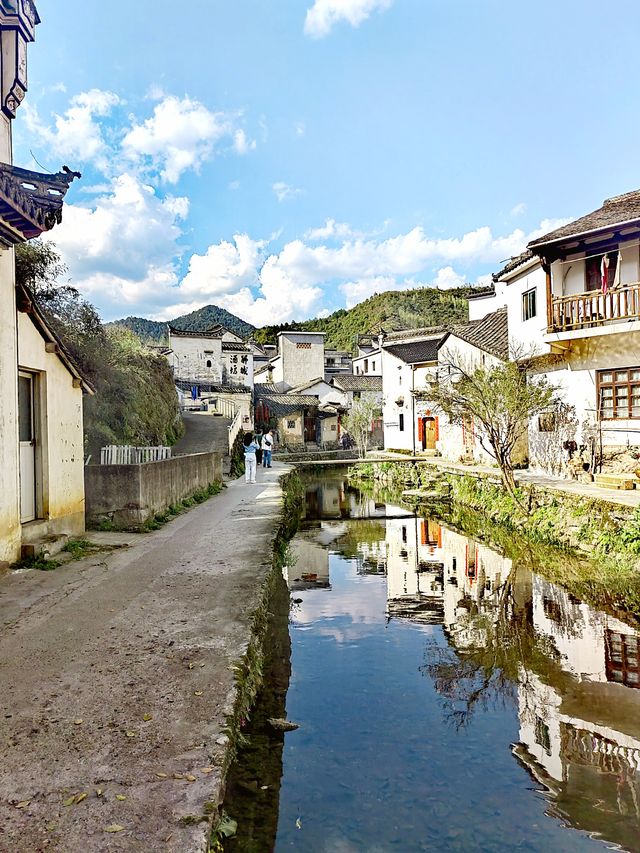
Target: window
{"x":529,"y":304}
{"x":331,"y":361}
{"x":366,"y":365}
{"x":401,"y":422}
{"x":291,"y":424}
{"x":593,"y":270}
{"x":547,"y":422}
{"x":619,"y":393}
{"x":399,"y":379}
{"x":208,"y":362}
{"x":301,"y":345}
{"x":373,"y":366}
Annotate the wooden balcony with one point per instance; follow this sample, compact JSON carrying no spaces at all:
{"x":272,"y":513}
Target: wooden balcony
{"x":588,"y":310}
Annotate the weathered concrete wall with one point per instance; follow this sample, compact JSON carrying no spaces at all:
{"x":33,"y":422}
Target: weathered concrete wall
{"x":130,"y":494}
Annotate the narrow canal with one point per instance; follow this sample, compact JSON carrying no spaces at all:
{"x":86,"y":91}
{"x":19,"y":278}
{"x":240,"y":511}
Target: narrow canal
{"x":447,"y":699}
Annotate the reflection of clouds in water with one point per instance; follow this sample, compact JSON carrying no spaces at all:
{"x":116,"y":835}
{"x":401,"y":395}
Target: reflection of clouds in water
{"x":342,"y":845}
{"x":346,"y":612}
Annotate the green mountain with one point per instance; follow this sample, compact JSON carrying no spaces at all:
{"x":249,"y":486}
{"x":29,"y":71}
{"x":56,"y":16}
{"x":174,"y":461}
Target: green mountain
{"x":158,"y":333}
{"x":392,"y":311}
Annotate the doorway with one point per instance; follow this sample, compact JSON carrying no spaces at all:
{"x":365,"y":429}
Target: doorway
{"x":27,"y":438}
{"x":429,"y":433}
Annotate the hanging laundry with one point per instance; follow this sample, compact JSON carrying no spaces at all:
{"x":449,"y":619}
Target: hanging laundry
{"x":604,"y":273}
{"x":616,"y":276}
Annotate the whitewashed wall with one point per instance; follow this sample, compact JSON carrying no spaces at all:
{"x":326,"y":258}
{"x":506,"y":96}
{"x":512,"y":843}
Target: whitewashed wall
{"x":197,"y":358}
{"x":61,"y":475}
{"x":10,"y":530}
{"x":301,"y":358}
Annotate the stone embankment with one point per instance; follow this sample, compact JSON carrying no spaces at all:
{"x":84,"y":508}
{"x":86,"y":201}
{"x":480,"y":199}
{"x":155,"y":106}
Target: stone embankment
{"x":126,"y":676}
{"x":558,"y":512}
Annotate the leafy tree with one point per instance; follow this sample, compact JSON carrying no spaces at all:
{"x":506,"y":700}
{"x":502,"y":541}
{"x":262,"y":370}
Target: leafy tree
{"x":135,"y":400}
{"x":500,"y":400}
{"x":358,"y":422}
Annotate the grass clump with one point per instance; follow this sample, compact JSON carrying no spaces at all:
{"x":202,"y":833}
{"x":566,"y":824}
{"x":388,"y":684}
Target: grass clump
{"x":39,"y":562}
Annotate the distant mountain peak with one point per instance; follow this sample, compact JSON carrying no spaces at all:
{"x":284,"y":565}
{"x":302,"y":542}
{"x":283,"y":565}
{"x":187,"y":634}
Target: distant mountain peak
{"x":196,"y":321}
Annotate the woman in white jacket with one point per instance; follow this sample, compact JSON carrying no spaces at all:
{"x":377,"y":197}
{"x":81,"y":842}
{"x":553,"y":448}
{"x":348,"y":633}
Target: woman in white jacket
{"x":250,"y":465}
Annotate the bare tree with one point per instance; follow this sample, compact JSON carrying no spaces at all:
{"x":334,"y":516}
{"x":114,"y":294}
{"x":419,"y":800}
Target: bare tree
{"x":358,"y":422}
{"x":501,"y":399}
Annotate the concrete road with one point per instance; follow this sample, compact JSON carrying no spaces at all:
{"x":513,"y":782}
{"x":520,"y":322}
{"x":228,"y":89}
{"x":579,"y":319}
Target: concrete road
{"x":115,"y":675}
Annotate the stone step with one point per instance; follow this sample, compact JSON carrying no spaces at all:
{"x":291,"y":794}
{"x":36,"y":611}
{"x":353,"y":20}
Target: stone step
{"x":46,"y":546}
{"x":617,"y":481}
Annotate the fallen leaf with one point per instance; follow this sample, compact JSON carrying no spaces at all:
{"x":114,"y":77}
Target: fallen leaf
{"x":114,"y":827}
{"x":147,"y":717}
{"x":190,"y":777}
{"x":227,"y":826}
{"x":207,"y":769}
{"x":131,"y":734}
{"x":202,"y":665}
{"x":191,"y":665}
{"x":178,"y":776}
{"x":120,"y":797}
{"x":98,"y":792}
{"x":78,"y":722}
{"x":161,"y":775}
{"x":51,"y":826}
{"x":298,"y":823}
{"x":70,"y":801}
{"x":23,"y":804}
{"x":81,"y":797}
{"x":198,"y":693}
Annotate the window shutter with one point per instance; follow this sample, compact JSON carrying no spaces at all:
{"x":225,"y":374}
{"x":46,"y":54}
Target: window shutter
{"x":420,"y":429}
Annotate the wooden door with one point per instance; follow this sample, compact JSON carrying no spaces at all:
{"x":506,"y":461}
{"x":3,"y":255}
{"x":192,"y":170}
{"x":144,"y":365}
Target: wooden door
{"x":26,"y":417}
{"x":429,"y":433}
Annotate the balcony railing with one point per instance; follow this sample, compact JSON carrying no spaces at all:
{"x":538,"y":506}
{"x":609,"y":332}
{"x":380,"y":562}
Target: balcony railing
{"x":586,"y":310}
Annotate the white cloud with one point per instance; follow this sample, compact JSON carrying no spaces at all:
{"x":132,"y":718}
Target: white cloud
{"x":295,"y":282}
{"x":331,"y":228}
{"x":324,"y":14}
{"x":518,"y":209}
{"x":300,"y":128}
{"x":284,"y":191}
{"x":241,"y":144}
{"x":181,"y":135}
{"x":76,"y":134}
{"x":122,"y":251}
{"x":224,"y":268}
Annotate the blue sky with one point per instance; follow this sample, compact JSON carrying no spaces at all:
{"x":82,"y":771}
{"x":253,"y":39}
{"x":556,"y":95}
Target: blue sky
{"x":283,"y":158}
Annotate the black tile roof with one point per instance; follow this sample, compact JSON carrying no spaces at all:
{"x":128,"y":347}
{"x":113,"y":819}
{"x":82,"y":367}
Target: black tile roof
{"x":618,"y":210}
{"x":416,"y":352}
{"x":281,"y":405}
{"x":234,"y":346}
{"x":349,"y":382}
{"x":407,"y":334}
{"x":186,"y":385}
{"x":513,"y":264}
{"x":490,"y":334}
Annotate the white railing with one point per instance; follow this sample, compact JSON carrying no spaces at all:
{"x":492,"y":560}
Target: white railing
{"x":222,"y":406}
{"x":234,"y":428}
{"x":117,"y":454}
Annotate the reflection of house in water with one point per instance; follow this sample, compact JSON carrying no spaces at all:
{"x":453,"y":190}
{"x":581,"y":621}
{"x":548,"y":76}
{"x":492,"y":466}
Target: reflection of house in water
{"x":581,"y":736}
{"x":310,"y":565}
{"x":334,"y":498}
{"x":414,"y":568}
{"x":473,"y":576}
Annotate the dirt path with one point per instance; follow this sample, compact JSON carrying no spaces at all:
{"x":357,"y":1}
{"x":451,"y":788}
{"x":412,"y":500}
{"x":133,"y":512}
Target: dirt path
{"x":116,"y":669}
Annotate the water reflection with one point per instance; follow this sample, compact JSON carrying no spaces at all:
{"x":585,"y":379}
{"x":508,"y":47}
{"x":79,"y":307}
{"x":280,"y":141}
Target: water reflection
{"x":429,"y":673}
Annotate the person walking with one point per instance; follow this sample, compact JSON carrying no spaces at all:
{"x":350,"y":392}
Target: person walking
{"x":267,"y":447}
{"x":250,"y":465}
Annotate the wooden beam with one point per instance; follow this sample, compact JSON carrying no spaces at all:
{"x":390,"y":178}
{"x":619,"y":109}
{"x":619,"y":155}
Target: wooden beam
{"x":77,"y":383}
{"x":51,"y":346}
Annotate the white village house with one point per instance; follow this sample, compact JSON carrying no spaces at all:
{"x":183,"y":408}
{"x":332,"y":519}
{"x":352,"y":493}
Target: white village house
{"x":413,"y":359}
{"x":41,"y":429}
{"x":573,"y":299}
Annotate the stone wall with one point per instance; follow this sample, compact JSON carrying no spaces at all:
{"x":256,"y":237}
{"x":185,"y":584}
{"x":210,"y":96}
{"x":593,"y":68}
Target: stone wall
{"x":128,"y":495}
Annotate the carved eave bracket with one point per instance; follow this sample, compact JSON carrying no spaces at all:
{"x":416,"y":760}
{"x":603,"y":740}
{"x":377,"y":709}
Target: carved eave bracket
{"x":30,"y":202}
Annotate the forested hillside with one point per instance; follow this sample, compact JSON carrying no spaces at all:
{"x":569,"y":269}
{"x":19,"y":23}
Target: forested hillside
{"x":135,"y":400}
{"x":158,"y":333}
{"x":393,"y":310}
